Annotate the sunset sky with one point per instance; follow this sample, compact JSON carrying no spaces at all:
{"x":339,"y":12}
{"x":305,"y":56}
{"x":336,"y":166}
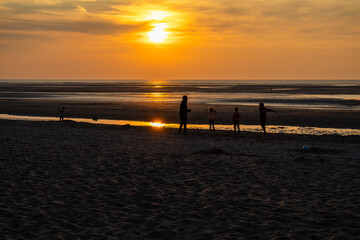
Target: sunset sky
{"x":180,"y":39}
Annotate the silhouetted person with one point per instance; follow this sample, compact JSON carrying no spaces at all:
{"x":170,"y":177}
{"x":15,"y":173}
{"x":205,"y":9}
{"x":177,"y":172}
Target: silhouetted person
{"x":262,"y":114}
{"x":211,"y":116}
{"x":236,"y":120}
{"x":183,"y":113}
{"x":62,"y":113}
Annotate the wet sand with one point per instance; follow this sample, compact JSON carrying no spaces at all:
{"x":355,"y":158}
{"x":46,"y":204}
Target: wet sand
{"x":69,"y":180}
{"x":168,"y":112}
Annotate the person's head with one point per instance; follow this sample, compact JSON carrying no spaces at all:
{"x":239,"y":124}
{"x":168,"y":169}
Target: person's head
{"x":185,"y":98}
{"x":261,"y":105}
{"x":236,"y":109}
{"x":211,"y":109}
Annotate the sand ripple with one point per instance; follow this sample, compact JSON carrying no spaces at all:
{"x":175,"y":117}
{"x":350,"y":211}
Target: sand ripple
{"x":82,"y":182}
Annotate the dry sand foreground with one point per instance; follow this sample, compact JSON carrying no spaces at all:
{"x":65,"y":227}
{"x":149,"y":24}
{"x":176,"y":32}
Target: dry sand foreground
{"x":79,"y":181}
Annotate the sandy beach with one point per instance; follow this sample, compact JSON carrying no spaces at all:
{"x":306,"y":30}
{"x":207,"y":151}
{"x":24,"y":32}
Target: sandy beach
{"x":93,"y":92}
{"x":71,"y":180}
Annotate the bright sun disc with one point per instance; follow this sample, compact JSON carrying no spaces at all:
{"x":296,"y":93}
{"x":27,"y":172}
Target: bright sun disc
{"x":158,"y":33}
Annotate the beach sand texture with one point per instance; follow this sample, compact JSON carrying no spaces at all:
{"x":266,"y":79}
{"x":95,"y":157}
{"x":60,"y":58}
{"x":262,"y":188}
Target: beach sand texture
{"x":69,"y":180}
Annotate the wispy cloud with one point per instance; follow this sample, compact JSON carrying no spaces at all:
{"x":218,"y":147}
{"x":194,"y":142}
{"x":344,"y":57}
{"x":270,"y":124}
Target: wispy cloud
{"x":28,"y":7}
{"x":77,"y":26}
{"x":229,"y":17}
{"x":31,"y":7}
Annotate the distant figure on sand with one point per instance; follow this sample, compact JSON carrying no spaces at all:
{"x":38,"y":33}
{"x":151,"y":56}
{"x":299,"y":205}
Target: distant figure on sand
{"x":211,"y":116}
{"x":262,"y":114}
{"x":236,"y":120}
{"x":183,"y":113}
{"x":62,"y":113}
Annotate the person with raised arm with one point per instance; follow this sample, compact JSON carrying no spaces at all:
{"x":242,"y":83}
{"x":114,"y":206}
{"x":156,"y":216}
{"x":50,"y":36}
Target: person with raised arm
{"x":262,"y":115}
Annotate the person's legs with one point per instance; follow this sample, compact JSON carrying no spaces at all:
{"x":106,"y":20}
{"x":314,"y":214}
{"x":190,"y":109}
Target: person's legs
{"x":236,"y":125}
{"x":182,"y":120}
{"x":181,"y":124}
{"x":263,"y":124}
{"x":212,"y":124}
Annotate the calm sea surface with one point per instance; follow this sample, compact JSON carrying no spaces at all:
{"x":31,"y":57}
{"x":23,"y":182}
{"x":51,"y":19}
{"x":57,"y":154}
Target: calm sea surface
{"x":332,"y":94}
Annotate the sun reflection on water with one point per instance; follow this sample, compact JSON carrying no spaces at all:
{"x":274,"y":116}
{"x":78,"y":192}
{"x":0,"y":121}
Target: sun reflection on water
{"x":157,"y":124}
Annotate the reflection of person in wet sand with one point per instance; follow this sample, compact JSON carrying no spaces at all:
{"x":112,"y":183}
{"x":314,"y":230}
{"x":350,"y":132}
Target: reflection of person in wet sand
{"x":262,"y":114}
{"x":236,"y":120}
{"x":211,"y":116}
{"x":183,"y":113}
{"x":62,"y":113}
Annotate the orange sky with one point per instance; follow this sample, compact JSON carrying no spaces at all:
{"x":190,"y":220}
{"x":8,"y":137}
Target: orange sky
{"x":212,"y":39}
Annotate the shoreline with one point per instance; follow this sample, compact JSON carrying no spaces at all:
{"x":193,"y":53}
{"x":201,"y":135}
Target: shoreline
{"x":168,"y":112}
{"x":271,"y":129}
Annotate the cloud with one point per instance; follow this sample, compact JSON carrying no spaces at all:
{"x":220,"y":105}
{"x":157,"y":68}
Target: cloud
{"x":28,"y":7}
{"x":78,"y":26}
{"x":35,"y":7}
{"x":228,"y":17}
{"x":294,"y":17}
{"x":63,"y":16}
{"x":14,"y":36}
{"x":105,"y":6}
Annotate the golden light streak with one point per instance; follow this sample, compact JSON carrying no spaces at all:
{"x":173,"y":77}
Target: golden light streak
{"x":157,"y":124}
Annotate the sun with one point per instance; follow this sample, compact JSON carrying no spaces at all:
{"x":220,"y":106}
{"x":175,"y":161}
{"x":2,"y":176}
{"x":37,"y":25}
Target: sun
{"x":158,"y":34}
{"x":157,"y":15}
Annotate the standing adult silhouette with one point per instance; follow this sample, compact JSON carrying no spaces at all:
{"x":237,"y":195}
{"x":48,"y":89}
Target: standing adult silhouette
{"x":183,"y":113}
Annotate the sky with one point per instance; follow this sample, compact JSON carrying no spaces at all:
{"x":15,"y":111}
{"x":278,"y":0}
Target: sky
{"x":180,"y":39}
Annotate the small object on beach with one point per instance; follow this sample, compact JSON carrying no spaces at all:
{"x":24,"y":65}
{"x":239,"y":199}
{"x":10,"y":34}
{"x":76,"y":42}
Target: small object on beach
{"x":306,"y":147}
{"x":95,"y":118}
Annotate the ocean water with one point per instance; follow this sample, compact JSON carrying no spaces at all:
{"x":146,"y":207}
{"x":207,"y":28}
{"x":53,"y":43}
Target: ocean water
{"x":319,"y":94}
{"x":308,"y":94}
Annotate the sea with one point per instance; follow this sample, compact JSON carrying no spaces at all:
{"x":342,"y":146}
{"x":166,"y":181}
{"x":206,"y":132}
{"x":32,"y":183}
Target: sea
{"x":303,"y":94}
{"x":308,"y":94}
